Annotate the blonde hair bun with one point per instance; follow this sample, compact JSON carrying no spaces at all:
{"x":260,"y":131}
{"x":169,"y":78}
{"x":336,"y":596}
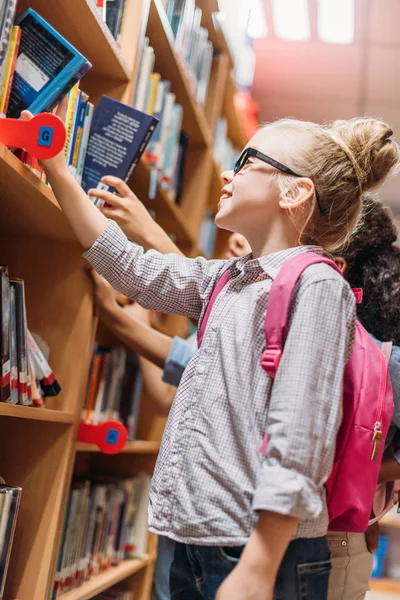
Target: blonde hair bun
{"x":370,"y":147}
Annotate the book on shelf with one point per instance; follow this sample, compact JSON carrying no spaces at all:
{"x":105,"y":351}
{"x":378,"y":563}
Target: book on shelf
{"x":11,"y":59}
{"x":208,"y":233}
{"x":118,"y":137}
{"x":112,"y":12}
{"x":9,"y":504}
{"x":192,"y":45}
{"x":26,"y":377}
{"x":46,"y":68}
{"x":7,"y":13}
{"x":114,"y":390}
{"x":224,"y":151}
{"x":103,"y":526}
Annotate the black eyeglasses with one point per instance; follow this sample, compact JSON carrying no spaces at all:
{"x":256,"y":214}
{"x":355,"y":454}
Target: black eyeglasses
{"x":248,"y":152}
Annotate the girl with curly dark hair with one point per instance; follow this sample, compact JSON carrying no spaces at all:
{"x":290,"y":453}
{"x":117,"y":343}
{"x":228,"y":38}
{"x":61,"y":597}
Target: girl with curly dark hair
{"x":371,"y":261}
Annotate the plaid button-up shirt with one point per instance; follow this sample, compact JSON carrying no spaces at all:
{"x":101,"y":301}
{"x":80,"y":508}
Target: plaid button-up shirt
{"x":211,"y":478}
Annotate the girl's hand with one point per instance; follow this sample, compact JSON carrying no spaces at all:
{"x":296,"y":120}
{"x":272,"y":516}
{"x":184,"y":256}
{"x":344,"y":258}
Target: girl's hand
{"x":126,"y":210}
{"x":105,"y":297}
{"x":245,"y":584}
{"x":138,"y":312}
{"x":57,"y":164}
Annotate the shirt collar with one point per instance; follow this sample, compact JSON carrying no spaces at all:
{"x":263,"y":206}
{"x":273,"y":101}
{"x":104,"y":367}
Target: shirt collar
{"x":269,"y":264}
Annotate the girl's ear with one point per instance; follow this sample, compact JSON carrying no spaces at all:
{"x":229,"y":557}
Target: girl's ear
{"x":341,"y":263}
{"x":301,"y":192}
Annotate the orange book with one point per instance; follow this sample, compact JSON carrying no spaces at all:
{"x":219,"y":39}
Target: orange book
{"x":94,"y":381}
{"x":10,"y":68}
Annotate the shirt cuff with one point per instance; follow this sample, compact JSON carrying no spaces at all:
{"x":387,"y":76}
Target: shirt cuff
{"x":288,"y":493}
{"x":179,"y":357}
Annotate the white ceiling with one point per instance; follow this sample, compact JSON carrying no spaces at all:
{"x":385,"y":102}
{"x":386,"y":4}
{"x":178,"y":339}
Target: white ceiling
{"x":319,"y":82}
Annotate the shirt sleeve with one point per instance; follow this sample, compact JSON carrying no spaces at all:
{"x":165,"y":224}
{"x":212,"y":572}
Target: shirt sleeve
{"x":169,"y":283}
{"x":179,"y":356}
{"x":306,"y":402}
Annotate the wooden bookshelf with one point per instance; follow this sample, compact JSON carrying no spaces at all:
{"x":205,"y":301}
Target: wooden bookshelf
{"x":138,"y":447}
{"x":99,"y":583}
{"x":38,"y":445}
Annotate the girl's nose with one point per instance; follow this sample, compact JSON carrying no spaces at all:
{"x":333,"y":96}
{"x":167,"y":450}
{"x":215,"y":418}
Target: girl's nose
{"x":227,"y":176}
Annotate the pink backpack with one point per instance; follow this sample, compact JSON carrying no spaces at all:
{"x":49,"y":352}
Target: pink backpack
{"x":367,"y":401}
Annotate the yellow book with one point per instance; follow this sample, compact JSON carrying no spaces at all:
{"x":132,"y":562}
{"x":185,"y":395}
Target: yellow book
{"x":10,"y":67}
{"x":69,"y":119}
{"x":154,"y":81}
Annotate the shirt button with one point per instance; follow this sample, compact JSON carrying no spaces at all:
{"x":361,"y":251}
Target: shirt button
{"x":188,"y":413}
{"x":344,"y":543}
{"x":201,"y":369}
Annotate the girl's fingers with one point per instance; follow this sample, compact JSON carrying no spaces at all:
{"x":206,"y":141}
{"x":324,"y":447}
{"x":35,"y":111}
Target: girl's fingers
{"x":62,"y":108}
{"x":26,"y":115}
{"x":108,"y":197}
{"x":122,"y":188}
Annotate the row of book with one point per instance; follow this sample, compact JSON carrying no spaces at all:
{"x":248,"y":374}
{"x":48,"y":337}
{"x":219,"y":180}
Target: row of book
{"x":106,"y":523}
{"x":224,"y":151}
{"x":192,"y":45}
{"x":114,"y":388}
{"x":112,"y":12}
{"x":25,"y":377}
{"x":9,"y":503}
{"x":7,"y":14}
{"x":168,"y":147}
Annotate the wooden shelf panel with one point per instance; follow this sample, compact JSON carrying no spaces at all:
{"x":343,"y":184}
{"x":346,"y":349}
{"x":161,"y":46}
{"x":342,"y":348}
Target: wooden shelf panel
{"x":37,"y":414}
{"x":138,"y":447}
{"x":385,"y":585}
{"x":167,"y":63}
{"x":235,"y":129}
{"x":169,"y":214}
{"x":27,"y":204}
{"x":99,"y":583}
{"x":80,"y":23}
{"x":209,"y":7}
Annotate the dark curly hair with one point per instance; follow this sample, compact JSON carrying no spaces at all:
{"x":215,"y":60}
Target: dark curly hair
{"x":373,"y":263}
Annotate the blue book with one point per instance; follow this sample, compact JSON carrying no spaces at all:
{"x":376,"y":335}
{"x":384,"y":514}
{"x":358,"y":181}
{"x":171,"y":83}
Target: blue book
{"x":46,"y":69}
{"x":118,"y":137}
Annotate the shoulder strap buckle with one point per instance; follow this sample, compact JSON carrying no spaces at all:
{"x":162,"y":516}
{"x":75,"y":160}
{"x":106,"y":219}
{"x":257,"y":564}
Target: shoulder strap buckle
{"x":270,"y":359}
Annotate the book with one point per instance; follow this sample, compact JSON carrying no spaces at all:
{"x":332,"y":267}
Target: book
{"x":114,"y":12}
{"x":7,"y":13}
{"x":9,"y":69}
{"x":22,"y":347}
{"x":102,"y":6}
{"x":142,"y":89}
{"x":78,"y":132}
{"x":10,"y":497}
{"x":118,"y":137}
{"x":13,"y":349}
{"x":177,"y":184}
{"x":47,"y":67}
{"x":171,"y":147}
{"x":84,"y":141}
{"x":5,"y":364}
{"x":154,"y":83}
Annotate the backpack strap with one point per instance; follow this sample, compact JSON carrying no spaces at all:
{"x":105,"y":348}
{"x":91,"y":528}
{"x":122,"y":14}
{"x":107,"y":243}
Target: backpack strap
{"x":387,"y":351}
{"x":222,"y":281}
{"x":278,"y":306}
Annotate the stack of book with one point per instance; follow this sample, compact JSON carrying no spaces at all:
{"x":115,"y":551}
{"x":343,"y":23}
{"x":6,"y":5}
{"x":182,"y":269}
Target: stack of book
{"x":106,"y":523}
{"x":114,"y":390}
{"x":9,"y":504}
{"x":115,"y":594}
{"x":25,"y":375}
{"x":78,"y":122}
{"x":224,"y":152}
{"x":111,"y":12}
{"x":168,"y":148}
{"x":191,"y":44}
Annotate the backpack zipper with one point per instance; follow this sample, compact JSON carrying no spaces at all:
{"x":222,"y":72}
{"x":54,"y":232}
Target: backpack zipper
{"x":377,"y":441}
{"x":378,"y":433}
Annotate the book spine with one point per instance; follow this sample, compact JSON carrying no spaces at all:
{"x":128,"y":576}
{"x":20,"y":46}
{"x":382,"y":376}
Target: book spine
{"x":148,"y":64}
{"x":69,"y":119}
{"x":85,"y":141}
{"x":5,"y":306}
{"x":141,"y":148}
{"x":13,"y":349}
{"x":10,"y":68}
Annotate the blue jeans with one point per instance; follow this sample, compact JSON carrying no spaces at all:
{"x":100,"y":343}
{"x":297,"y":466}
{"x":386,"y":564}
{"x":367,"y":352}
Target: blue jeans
{"x":198,"y":571}
{"x":165,"y":557}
